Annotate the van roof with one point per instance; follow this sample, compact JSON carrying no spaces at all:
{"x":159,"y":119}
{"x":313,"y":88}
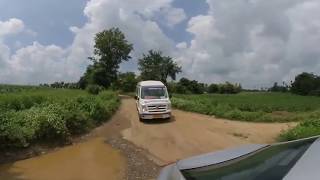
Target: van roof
{"x":151,"y":83}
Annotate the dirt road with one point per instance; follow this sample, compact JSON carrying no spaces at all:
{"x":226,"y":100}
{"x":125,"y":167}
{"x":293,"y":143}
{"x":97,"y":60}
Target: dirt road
{"x":163,"y":142}
{"x":190,"y":134}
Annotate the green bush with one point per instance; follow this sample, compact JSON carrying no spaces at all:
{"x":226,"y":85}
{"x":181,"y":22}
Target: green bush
{"x":54,"y":115}
{"x":305,"y":129}
{"x":37,"y":123}
{"x":94,"y":89}
{"x":77,"y":122}
{"x":52,"y":125}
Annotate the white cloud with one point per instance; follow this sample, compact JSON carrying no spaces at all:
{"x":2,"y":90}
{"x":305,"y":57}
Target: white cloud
{"x":30,"y":64}
{"x":253,"y":42}
{"x":182,"y":45}
{"x":38,"y":63}
{"x":133,"y":18}
{"x":12,"y":26}
{"x":173,"y":16}
{"x":7,"y":28}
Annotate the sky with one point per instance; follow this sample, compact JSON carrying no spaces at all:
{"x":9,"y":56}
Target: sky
{"x":252,"y":42}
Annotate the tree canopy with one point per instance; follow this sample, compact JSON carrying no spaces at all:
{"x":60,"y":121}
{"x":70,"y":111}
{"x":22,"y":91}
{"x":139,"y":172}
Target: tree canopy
{"x":155,"y":66}
{"x":110,"y":49}
{"x":126,"y":82}
{"x":306,"y":84}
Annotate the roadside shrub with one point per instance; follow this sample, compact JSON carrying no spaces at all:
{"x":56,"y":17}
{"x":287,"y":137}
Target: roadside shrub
{"x":304,"y":129}
{"x":77,"y":122}
{"x":53,"y":116}
{"x":94,"y":89}
{"x":13,"y":133}
{"x":19,"y":129}
{"x":52,"y":125}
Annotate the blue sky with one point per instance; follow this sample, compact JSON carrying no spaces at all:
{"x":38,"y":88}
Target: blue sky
{"x":49,"y":19}
{"x":253,"y":42}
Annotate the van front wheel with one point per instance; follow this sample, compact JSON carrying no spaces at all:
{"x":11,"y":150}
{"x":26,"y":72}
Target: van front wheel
{"x":140,"y":119}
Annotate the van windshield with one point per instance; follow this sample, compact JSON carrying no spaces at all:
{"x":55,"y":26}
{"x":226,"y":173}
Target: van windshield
{"x":154,"y":93}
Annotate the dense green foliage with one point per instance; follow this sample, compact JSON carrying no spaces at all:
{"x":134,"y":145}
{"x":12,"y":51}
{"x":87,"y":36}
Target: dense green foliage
{"x":94,"y":89}
{"x":306,"y":128}
{"x":126,"y":82}
{"x":213,"y":88}
{"x":186,"y":86}
{"x":258,"y":107}
{"x":279,"y":88}
{"x":110,"y":49}
{"x":229,"y":88}
{"x":306,"y":84}
{"x":51,"y":114}
{"x":155,"y":66}
{"x":62,"y":84}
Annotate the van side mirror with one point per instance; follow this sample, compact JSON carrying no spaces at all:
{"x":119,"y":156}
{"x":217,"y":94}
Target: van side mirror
{"x":136,"y":97}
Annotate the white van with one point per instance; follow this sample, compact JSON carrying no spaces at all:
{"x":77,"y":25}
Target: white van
{"x":152,"y":100}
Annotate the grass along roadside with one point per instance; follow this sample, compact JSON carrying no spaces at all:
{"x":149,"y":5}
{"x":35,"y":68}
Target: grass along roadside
{"x":50,"y":115}
{"x":304,"y":129}
{"x":259,"y":107}
{"x":254,"y":107}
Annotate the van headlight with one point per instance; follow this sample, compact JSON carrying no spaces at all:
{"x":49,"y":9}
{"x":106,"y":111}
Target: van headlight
{"x":169,"y":106}
{"x":144,"y":108}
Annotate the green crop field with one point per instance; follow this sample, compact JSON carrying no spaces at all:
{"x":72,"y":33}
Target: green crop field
{"x":258,"y":107}
{"x":16,"y":88}
{"x":32,"y":114}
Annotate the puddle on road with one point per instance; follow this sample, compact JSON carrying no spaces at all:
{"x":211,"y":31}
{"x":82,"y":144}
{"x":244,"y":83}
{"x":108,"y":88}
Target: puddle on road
{"x":94,"y":160}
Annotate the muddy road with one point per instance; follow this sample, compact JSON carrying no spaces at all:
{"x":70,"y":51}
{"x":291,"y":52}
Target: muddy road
{"x":89,"y":160}
{"x":125,"y":148}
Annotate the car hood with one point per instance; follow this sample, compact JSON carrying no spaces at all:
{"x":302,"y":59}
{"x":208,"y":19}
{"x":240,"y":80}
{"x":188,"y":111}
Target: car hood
{"x":172,"y":172}
{"x":307,"y":167}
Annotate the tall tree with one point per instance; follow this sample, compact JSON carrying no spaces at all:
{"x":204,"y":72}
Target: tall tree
{"x":305,"y":84}
{"x":110,"y":49}
{"x":155,"y":66}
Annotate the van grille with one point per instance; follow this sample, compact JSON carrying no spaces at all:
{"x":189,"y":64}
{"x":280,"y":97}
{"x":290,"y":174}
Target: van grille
{"x":157,"y":108}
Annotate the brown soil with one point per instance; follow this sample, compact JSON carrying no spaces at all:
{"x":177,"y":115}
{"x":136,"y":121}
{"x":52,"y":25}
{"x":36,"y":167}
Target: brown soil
{"x":161,"y":141}
{"x":189,"y":134}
